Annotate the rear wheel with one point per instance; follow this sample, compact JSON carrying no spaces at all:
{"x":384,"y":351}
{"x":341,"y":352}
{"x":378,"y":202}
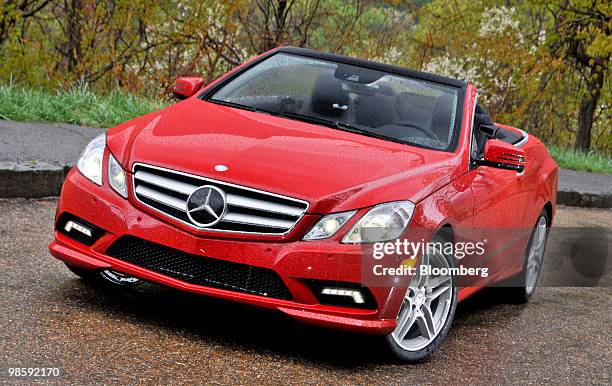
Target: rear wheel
{"x":522,"y":287}
{"x":427,"y":311}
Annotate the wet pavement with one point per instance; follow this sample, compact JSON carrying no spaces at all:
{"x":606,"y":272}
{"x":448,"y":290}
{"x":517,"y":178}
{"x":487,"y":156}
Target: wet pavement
{"x":50,"y":318}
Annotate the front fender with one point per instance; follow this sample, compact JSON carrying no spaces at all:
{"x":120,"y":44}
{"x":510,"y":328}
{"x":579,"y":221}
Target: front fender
{"x":450,"y":205}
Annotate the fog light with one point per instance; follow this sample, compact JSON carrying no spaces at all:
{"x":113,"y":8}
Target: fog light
{"x":356,"y":295}
{"x":78,"y":229}
{"x":70,"y":225}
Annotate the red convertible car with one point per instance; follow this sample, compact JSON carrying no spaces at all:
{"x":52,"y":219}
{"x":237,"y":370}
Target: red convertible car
{"x":269,"y":185}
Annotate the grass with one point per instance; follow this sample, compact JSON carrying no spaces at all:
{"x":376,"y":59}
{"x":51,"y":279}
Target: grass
{"x":77,"y":105}
{"x":80,"y":106}
{"x":577,"y":160}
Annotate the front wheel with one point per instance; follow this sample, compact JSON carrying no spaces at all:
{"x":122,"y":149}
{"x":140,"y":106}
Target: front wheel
{"x":107,"y":276}
{"x":427,"y":311}
{"x":81,"y":272}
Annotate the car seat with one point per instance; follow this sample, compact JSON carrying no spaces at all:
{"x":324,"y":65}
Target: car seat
{"x":329,"y":100}
{"x":481,"y":117}
{"x":378,"y":109}
{"x":441,"y":118}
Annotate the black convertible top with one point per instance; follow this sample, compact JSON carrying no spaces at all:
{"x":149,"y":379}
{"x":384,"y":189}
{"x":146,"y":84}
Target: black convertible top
{"x":374,"y":65}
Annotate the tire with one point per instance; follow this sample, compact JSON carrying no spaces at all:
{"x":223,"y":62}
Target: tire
{"x":119,"y":279}
{"x":107,"y":276}
{"x":520,"y":288}
{"x":84,"y":274}
{"x":414,"y":346}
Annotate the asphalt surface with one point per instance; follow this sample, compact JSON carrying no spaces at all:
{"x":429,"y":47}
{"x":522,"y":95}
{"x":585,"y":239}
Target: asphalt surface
{"x":57,"y":144}
{"x":572,"y":180}
{"x":35,"y":157}
{"x":50,"y":318}
{"x":583,"y":189}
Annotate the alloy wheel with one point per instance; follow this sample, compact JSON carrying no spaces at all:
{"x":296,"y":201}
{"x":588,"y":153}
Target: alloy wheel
{"x":536,"y":253}
{"x":425,"y":307}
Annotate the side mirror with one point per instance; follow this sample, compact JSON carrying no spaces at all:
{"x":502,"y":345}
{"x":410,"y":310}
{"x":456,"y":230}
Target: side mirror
{"x":502,"y":155}
{"x":187,"y":86}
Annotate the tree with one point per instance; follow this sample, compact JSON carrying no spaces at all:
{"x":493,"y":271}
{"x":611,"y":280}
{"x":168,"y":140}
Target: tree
{"x":271,"y":23}
{"x":542,"y":65}
{"x":70,"y":15}
{"x":539,"y":65}
{"x":583,"y":37}
{"x":12,"y":11}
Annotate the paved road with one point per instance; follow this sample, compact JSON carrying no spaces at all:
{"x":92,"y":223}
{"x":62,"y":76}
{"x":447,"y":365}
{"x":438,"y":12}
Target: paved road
{"x":48,"y":317}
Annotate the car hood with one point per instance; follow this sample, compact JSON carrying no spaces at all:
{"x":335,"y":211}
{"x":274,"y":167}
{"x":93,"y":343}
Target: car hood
{"x":332,"y":169}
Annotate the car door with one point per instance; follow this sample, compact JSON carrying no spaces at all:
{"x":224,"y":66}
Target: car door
{"x":500,"y":203}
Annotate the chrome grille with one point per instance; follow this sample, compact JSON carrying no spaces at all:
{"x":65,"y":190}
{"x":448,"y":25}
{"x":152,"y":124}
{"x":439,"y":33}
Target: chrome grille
{"x":248,"y":210}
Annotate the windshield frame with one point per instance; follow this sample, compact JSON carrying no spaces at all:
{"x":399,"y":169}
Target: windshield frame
{"x":461,"y":87}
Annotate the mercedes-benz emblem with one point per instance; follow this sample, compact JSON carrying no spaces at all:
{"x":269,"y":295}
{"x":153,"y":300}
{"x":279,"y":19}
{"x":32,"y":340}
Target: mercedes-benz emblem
{"x":206,"y":206}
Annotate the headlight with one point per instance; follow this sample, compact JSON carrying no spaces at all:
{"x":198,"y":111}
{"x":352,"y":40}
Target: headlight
{"x":328,"y":226}
{"x":90,"y":163}
{"x":117,"y":177}
{"x":382,"y":223}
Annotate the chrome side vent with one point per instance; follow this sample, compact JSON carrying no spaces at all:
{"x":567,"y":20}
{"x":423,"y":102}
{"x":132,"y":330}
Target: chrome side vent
{"x":248,"y":210}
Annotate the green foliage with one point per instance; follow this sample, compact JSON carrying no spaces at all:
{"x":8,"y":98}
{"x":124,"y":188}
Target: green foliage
{"x":527,"y":58}
{"x":77,"y":105}
{"x":541,"y":65}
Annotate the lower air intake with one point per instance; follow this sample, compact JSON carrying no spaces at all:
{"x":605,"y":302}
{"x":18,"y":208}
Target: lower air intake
{"x":199,"y":270}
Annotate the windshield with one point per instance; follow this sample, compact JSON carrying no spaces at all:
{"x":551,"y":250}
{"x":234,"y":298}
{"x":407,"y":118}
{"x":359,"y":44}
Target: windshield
{"x":347,"y":97}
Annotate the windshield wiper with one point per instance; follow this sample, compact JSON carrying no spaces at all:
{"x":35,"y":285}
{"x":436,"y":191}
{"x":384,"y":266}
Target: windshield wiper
{"x":334,"y":125}
{"x":308,"y":118}
{"x":237,"y":105}
{"x":286,"y":114}
{"x":357,"y":130}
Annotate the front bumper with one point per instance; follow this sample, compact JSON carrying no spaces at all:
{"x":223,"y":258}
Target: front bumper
{"x":295,"y":261}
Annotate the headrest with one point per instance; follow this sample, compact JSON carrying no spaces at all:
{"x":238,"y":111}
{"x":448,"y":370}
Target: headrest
{"x":376,"y":110}
{"x":441,"y":118}
{"x":482,"y":119}
{"x":480,"y":110}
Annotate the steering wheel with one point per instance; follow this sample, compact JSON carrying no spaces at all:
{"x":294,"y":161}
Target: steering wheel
{"x":430,"y":133}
